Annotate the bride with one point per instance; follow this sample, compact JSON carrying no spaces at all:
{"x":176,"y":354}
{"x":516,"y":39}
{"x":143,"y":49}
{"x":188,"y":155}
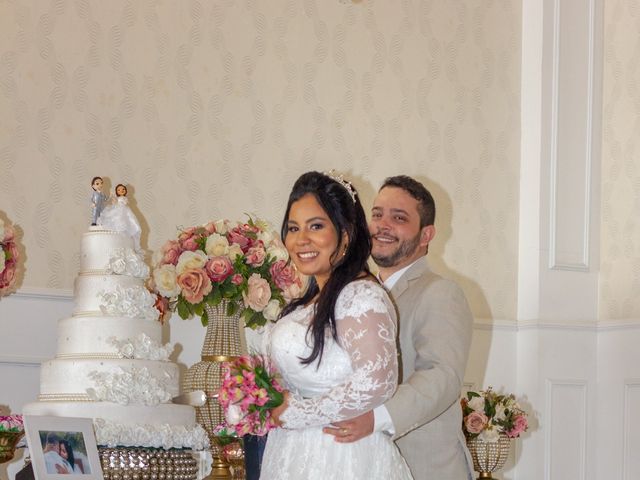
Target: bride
{"x":335,"y":347}
{"x":119,"y":217}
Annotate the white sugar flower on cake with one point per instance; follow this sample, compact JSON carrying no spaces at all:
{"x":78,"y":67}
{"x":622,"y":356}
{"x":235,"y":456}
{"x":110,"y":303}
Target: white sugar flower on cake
{"x":142,"y":347}
{"x":134,"y":302}
{"x":164,"y":436}
{"x":134,"y":386}
{"x":126,"y":261}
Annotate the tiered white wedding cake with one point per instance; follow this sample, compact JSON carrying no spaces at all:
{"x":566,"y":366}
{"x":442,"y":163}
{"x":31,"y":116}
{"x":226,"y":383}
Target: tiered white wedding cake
{"x":110,"y":363}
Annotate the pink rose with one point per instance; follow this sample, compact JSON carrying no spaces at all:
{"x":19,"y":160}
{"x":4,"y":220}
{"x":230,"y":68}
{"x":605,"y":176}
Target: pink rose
{"x":9,"y":233}
{"x":210,"y":228}
{"x":237,"y":279}
{"x":258,"y":293}
{"x":187,"y":233}
{"x":256,"y":256}
{"x":475,"y":422}
{"x":171,"y":252}
{"x":283,"y":275}
{"x":235,"y":236}
{"x":190,"y":244}
{"x":519,"y":425}
{"x":219,"y":268}
{"x":195,"y":284}
{"x":8,"y":276}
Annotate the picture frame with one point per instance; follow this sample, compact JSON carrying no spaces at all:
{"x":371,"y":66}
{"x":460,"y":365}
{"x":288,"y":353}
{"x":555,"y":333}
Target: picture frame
{"x":62,"y":448}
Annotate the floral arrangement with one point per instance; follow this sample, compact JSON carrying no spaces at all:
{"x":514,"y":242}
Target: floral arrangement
{"x":488,"y":414}
{"x":11,"y":423}
{"x":8,"y":258}
{"x":250,"y":389}
{"x":243,"y":263}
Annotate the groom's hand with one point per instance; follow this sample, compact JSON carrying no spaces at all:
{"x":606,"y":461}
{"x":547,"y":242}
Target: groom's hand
{"x":353,"y":429}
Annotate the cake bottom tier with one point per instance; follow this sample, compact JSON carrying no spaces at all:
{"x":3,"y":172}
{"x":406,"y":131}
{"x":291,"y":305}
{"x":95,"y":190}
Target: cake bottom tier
{"x":161,"y":426}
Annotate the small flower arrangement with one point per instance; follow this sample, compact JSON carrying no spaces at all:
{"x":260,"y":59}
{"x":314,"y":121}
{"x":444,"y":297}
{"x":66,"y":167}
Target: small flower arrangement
{"x":243,"y":263}
{"x":250,"y":389}
{"x":8,"y":259}
{"x":11,"y":423}
{"x":487,"y":414}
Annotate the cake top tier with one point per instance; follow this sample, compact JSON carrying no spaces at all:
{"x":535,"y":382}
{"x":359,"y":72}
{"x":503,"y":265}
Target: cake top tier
{"x":106,"y":251}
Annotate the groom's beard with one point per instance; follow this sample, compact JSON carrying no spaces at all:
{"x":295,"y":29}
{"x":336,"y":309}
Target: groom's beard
{"x":404,"y":250}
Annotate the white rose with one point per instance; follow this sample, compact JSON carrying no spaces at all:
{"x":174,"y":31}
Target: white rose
{"x":278,"y":252}
{"x":118,"y":265}
{"x":191,"y":260}
{"x":222,"y":226}
{"x":272,"y":310}
{"x":216,"y":245}
{"x":234,"y":414}
{"x":234,"y":250}
{"x":165,"y":280}
{"x":477,"y":403}
{"x":267,"y":236}
{"x":500,"y":415}
{"x":489,"y":435}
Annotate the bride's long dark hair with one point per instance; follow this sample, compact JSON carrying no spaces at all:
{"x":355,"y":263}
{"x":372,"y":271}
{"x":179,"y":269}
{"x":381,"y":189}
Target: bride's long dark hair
{"x":347,"y":216}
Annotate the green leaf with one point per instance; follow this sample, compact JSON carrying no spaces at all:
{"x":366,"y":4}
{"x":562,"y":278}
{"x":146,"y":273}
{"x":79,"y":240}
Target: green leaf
{"x":183,"y":309}
{"x":204,"y":318}
{"x":232,"y":308}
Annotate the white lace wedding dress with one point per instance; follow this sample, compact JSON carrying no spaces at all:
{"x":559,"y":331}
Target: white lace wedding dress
{"x":119,"y":218}
{"x":356,"y":374}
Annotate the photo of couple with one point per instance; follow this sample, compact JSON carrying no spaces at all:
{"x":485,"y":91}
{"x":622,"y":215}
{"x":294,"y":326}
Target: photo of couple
{"x":64,"y":452}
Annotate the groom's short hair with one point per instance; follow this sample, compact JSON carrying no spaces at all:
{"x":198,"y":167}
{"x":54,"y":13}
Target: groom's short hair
{"x":426,"y":204}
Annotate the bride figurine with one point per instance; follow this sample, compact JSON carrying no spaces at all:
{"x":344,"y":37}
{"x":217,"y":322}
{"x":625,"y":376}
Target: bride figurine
{"x":119,"y":217}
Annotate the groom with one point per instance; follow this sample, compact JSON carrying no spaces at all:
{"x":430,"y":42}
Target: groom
{"x":424,"y":415}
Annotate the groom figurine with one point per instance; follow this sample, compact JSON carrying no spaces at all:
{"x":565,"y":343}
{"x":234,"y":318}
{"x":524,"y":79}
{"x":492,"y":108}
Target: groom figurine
{"x":434,"y":323}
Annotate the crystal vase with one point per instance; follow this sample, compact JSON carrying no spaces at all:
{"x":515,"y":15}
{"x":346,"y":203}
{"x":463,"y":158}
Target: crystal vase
{"x":488,"y":457}
{"x":223,"y":342}
{"x":8,"y":442}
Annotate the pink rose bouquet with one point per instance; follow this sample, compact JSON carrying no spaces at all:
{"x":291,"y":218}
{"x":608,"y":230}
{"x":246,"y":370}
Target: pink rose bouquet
{"x":243,"y":263}
{"x":250,"y":389}
{"x":11,"y":423}
{"x":8,"y":259}
{"x":487,"y":414}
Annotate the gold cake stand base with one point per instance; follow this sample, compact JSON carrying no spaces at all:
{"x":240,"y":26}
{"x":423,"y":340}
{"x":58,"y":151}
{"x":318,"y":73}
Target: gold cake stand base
{"x":136,"y":463}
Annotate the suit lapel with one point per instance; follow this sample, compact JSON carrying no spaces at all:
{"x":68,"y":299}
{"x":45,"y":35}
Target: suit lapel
{"x":415,"y":271}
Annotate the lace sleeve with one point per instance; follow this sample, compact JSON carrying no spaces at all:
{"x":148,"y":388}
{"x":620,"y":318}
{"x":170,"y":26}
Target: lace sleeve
{"x":365,"y":323}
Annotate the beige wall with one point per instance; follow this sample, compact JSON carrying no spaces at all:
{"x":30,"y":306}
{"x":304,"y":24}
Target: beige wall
{"x":620,"y":228}
{"x":210,"y":109}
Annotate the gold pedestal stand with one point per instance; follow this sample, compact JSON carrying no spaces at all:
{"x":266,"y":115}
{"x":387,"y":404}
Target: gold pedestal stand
{"x":488,"y":457}
{"x":223,"y":342}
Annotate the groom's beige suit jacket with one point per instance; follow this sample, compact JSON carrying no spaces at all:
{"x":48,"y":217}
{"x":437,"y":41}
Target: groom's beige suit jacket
{"x":435,"y":326}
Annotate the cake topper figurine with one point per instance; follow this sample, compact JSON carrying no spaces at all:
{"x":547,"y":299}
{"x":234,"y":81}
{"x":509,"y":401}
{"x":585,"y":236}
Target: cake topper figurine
{"x":98,"y":199}
{"x":117,"y":216}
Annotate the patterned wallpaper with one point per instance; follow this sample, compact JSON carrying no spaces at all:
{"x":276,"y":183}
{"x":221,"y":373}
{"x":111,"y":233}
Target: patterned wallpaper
{"x":620,"y":227}
{"x":210,"y":109}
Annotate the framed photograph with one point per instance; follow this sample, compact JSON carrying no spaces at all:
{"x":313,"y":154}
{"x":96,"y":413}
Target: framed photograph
{"x":61,"y":447}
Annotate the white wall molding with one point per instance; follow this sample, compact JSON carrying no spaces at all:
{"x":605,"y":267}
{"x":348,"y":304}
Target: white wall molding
{"x":630,"y":470}
{"x":515,"y":326}
{"x":574,"y":256}
{"x":558,"y":403}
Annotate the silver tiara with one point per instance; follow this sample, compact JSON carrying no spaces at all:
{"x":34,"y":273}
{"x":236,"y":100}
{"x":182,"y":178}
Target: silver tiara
{"x":340,"y":179}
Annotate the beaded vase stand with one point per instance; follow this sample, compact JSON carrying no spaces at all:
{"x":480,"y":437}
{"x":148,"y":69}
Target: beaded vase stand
{"x":137,"y":463}
{"x":488,"y":457}
{"x":223,"y":342}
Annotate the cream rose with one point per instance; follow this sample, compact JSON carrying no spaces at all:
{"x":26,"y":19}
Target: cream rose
{"x":191,"y":261}
{"x":490,"y":435}
{"x":222,"y":226}
{"x":477,"y":404}
{"x":234,"y":250}
{"x":272,"y":310}
{"x":216,"y":245}
{"x":258,"y":293}
{"x":165,"y":281}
